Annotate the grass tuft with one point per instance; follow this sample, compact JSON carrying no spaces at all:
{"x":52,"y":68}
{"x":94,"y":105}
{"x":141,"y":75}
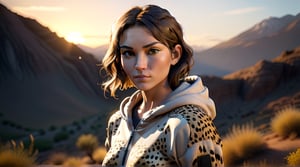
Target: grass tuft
{"x":99,"y":154}
{"x":286,"y":122}
{"x":16,"y":155}
{"x":241,"y":143}
{"x":87,"y":143}
{"x":293,"y":159}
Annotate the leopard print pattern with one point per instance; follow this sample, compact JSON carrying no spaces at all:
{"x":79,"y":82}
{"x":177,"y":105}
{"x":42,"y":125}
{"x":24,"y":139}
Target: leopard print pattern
{"x":113,"y":152}
{"x":156,"y":155}
{"x":202,"y":129}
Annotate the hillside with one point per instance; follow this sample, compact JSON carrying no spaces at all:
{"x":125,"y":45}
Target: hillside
{"x":256,"y":93}
{"x":44,"y":80}
{"x":265,"y":40}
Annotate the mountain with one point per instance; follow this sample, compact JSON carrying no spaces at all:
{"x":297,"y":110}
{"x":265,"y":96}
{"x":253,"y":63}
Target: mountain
{"x":264,"y":40}
{"x":98,"y":52}
{"x":44,"y":80}
{"x":256,"y":93}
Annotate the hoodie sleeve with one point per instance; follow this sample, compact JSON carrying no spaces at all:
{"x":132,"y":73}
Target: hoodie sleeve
{"x":194,"y":139}
{"x":112,"y":127}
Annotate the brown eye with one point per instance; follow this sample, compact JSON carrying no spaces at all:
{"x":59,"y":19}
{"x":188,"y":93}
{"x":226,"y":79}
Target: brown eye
{"x":153,"y":51}
{"x":127,"y":53}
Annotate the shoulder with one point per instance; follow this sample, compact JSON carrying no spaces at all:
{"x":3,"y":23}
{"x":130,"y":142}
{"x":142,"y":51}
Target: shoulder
{"x":203,"y":138}
{"x":114,"y":120}
{"x":191,"y":113}
{"x":115,"y":117}
{"x":199,"y":122}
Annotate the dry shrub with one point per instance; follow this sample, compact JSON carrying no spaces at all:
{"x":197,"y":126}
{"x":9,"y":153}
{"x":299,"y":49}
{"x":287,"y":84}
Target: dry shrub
{"x":99,"y":154}
{"x":293,"y":159}
{"x":87,"y":143}
{"x":229,"y":152}
{"x":57,"y":158}
{"x":241,"y":143}
{"x":73,"y":162}
{"x":9,"y":158}
{"x":286,"y":122}
{"x":16,"y":155}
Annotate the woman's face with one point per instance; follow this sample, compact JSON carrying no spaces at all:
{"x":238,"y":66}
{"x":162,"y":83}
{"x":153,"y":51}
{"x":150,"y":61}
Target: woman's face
{"x":145,"y":60}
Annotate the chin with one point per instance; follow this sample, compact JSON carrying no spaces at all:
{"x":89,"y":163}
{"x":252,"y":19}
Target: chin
{"x":142,"y":87}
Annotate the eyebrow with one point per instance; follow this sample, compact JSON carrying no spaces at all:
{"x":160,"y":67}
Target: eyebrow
{"x":145,"y":46}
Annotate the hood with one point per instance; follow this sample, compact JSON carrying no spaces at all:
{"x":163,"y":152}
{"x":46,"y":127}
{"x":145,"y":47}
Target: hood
{"x":190,"y":91}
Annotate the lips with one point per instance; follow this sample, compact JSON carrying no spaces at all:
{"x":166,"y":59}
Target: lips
{"x":141,"y":76}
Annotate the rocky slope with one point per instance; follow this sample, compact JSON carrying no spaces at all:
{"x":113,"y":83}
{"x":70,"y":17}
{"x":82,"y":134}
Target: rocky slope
{"x":44,"y":80}
{"x":256,"y":93}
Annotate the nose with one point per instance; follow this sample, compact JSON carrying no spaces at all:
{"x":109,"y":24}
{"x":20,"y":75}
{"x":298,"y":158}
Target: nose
{"x":141,"y":62}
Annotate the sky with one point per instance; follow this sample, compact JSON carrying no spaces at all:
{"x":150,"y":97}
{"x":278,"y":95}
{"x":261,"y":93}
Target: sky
{"x":205,"y":23}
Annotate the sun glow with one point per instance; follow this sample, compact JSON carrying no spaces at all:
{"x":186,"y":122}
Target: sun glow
{"x":75,"y":37}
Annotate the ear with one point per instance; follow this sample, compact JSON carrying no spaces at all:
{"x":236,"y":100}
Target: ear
{"x":176,"y":54}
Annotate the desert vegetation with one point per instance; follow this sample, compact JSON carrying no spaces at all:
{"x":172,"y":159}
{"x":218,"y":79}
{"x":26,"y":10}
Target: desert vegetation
{"x":98,"y":154}
{"x":286,"y":122}
{"x":293,"y":159}
{"x":56,"y":144}
{"x":88,"y":143}
{"x":243,"y":142}
{"x":73,"y":162}
{"x":57,"y":158}
{"x":15,"y":154}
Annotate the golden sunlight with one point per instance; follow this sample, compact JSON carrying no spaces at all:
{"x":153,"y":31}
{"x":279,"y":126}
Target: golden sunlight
{"x":75,"y":37}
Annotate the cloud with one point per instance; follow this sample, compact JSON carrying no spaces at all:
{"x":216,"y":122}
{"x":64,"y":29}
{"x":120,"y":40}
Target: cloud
{"x":213,"y":39}
{"x":243,"y":10}
{"x":40,"y":8}
{"x":205,"y":40}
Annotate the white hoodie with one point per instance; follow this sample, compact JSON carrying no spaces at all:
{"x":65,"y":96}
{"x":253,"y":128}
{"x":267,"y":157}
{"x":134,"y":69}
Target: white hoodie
{"x":180,"y":132}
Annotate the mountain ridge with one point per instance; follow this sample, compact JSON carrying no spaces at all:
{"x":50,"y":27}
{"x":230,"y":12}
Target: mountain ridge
{"x":254,"y":94}
{"x":43,"y":73}
{"x":242,"y":50}
{"x":266,"y":28}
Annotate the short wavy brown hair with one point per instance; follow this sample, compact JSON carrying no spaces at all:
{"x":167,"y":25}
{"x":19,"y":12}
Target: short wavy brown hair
{"x":163,"y":27}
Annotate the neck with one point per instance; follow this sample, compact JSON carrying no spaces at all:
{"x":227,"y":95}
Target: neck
{"x":152,"y":99}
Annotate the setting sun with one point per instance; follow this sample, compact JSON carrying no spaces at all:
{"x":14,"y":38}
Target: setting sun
{"x":75,"y":37}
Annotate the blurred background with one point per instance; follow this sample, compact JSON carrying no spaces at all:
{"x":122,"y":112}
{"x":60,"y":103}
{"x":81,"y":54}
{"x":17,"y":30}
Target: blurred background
{"x":247,"y":53}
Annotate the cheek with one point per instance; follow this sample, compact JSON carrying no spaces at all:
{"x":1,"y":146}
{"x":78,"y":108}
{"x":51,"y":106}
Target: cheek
{"x":162,"y":62}
{"x":126,"y":65}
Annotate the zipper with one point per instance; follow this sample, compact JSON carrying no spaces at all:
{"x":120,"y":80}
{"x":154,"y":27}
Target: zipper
{"x":129,"y":143}
{"x":127,"y":147}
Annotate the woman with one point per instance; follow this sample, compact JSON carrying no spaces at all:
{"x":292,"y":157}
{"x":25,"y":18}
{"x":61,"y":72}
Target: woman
{"x":168,"y":120}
